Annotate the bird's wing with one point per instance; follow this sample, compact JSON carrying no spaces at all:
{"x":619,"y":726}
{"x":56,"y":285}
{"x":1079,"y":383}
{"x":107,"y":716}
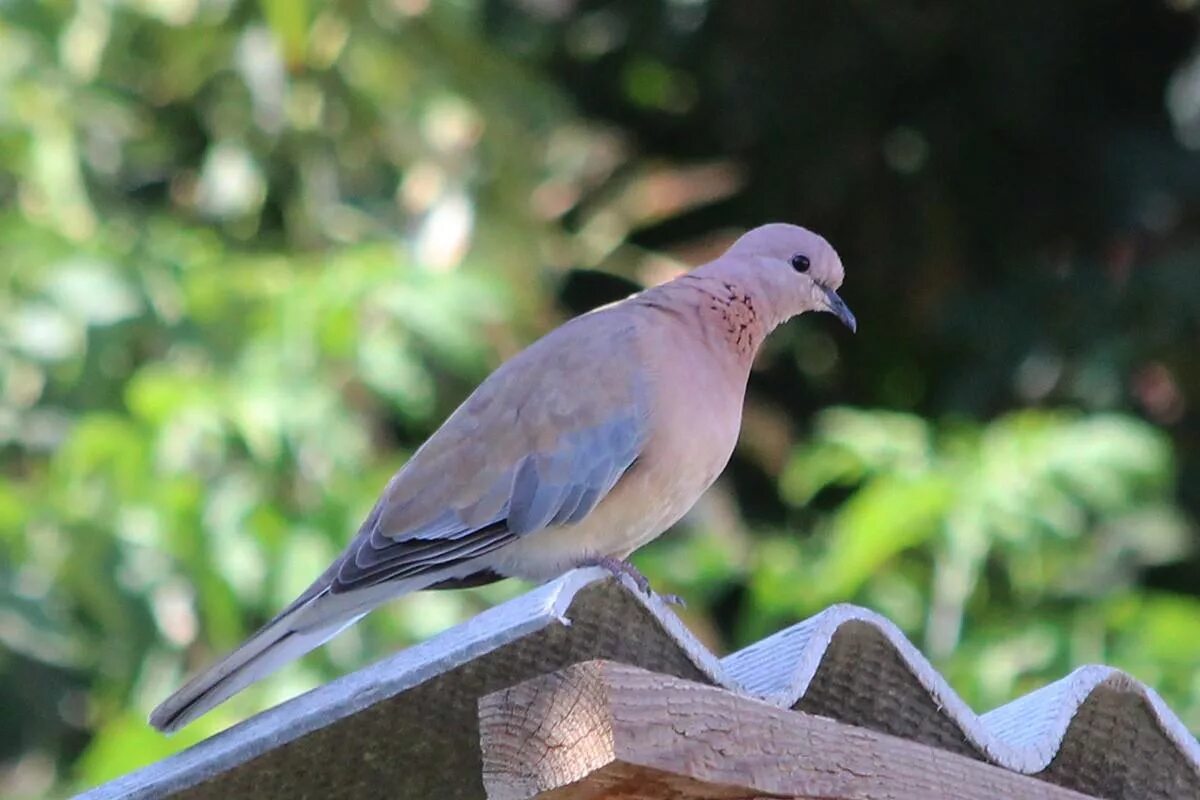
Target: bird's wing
{"x":539,"y":443}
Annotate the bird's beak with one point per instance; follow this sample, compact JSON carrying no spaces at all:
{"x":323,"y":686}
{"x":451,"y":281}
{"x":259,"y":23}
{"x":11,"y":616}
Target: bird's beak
{"x":837,"y":306}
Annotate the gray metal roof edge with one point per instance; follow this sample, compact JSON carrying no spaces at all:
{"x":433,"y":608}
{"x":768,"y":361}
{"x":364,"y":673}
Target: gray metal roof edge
{"x":1023,"y":736}
{"x":780,"y":668}
{"x":353,"y":692}
{"x":1047,"y":712}
{"x":701,"y":657}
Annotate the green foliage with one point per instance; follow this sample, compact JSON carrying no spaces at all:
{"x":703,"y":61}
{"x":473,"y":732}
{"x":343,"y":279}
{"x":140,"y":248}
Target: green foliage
{"x":181,"y":465}
{"x":1035,"y":526}
{"x":252,"y":253}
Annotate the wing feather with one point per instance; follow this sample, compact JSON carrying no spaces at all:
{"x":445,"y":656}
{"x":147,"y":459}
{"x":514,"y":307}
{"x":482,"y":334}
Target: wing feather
{"x":540,"y":443}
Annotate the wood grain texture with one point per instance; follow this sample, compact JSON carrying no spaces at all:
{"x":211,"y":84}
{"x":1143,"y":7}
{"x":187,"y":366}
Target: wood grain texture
{"x":606,"y":730}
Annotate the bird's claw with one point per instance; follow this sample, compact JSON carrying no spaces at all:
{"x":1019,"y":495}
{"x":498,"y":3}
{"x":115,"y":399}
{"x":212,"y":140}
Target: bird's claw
{"x":673,"y":600}
{"x":619,"y":568}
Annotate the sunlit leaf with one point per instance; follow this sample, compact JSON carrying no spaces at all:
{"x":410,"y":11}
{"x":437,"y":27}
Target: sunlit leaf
{"x":886,"y":517}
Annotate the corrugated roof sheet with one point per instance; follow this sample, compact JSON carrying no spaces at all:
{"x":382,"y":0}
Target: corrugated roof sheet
{"x":407,"y":726}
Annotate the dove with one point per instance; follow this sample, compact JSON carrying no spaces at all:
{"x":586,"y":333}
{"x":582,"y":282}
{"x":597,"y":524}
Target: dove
{"x":589,"y":443}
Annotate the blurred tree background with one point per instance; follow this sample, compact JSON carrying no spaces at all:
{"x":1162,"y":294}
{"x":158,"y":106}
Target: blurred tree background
{"x":252,"y":253}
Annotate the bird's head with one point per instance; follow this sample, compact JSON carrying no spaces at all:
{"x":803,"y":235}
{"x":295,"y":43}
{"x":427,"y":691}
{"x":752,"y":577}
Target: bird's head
{"x":796,"y":270}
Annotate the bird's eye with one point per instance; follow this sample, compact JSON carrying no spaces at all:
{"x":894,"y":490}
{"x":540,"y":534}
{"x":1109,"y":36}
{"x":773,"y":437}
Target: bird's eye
{"x":800,"y":262}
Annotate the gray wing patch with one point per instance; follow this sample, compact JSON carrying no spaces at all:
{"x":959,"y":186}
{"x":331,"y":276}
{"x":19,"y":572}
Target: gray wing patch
{"x":559,"y":487}
{"x":563,"y":487}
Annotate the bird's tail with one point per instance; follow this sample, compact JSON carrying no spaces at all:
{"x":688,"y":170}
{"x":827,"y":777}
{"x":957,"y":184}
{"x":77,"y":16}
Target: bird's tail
{"x":279,"y":641}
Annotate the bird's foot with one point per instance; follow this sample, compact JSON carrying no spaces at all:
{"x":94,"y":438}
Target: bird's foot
{"x":618,"y":567}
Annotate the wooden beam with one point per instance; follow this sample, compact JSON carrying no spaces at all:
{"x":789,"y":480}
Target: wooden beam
{"x":606,"y":730}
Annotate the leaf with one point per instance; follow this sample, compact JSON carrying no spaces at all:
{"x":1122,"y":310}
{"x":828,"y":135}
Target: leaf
{"x":288,"y":20}
{"x":886,"y":517}
{"x":125,"y":743}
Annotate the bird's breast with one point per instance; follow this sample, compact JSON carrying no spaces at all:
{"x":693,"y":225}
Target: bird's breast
{"x":693,"y":428}
{"x":697,"y":412}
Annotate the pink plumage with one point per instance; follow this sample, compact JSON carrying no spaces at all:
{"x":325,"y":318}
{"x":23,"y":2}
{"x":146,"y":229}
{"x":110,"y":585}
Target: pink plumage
{"x":580,"y":449}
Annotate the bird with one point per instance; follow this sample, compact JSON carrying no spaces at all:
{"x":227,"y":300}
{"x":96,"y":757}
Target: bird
{"x":576,"y":451}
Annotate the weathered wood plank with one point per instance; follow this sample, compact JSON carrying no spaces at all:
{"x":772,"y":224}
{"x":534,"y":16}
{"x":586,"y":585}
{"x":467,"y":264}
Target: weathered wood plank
{"x":606,"y":730}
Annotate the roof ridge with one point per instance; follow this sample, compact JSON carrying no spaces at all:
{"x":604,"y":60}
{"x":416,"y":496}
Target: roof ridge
{"x":1097,"y":730}
{"x":1024,"y":735}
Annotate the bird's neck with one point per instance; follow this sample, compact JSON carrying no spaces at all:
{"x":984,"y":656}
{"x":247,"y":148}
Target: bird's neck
{"x":733,"y":319}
